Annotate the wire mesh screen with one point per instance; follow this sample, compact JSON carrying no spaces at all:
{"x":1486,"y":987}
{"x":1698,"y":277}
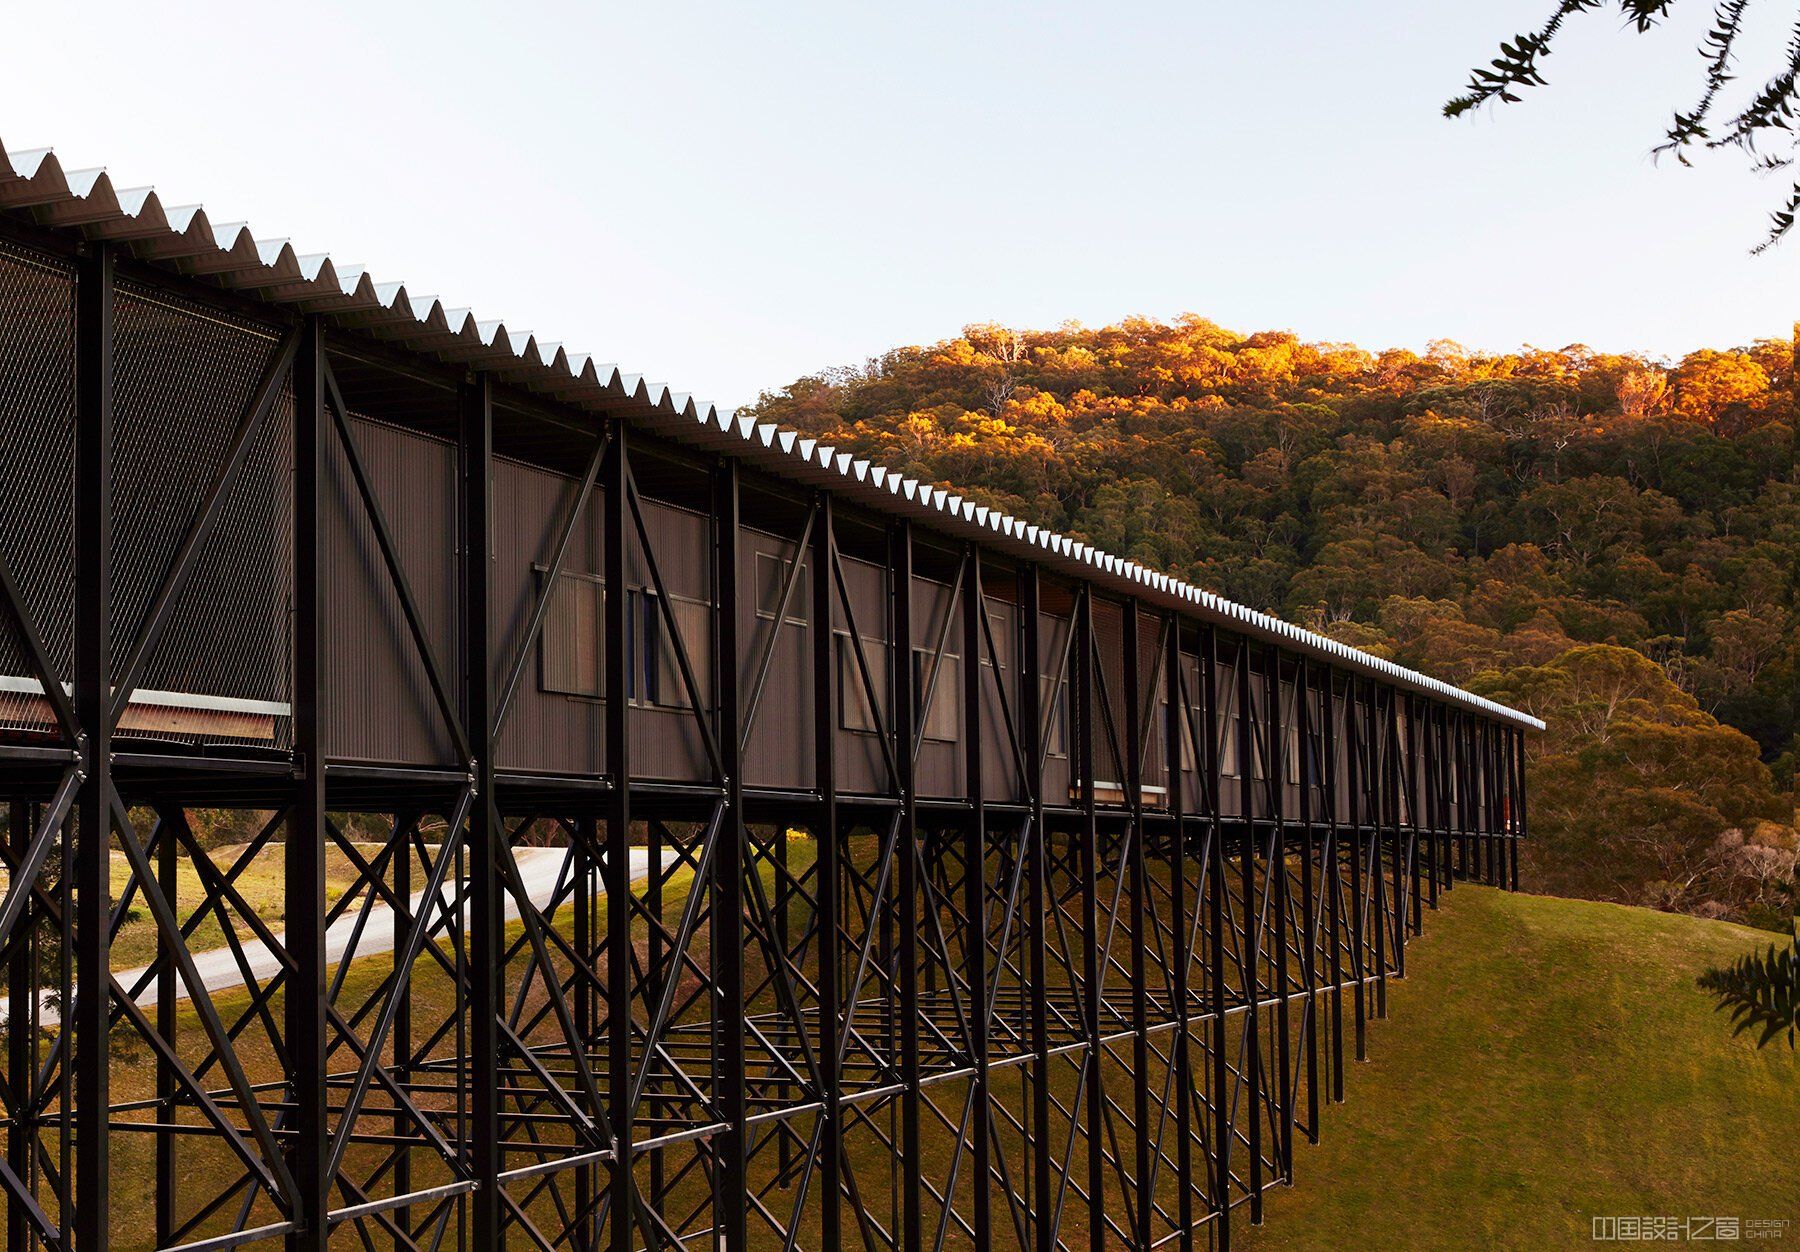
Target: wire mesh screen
{"x":185,"y":378}
{"x":37,"y":467}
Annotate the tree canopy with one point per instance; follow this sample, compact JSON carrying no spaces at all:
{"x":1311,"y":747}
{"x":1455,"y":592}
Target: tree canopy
{"x":1608,"y":540}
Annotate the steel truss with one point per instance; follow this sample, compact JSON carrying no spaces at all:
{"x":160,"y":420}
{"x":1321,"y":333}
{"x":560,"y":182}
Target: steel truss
{"x":873,"y":1020}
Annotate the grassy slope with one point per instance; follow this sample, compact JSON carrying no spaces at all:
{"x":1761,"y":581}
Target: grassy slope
{"x":1548,"y":1060}
{"x":260,"y":883}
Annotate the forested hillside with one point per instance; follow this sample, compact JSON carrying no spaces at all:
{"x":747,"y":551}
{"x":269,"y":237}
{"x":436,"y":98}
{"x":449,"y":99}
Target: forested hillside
{"x":1608,"y":541}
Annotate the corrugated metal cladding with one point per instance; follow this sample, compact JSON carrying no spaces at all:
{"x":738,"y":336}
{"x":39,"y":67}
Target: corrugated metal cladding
{"x":380,"y":707}
{"x":382,"y":710}
{"x":271,"y":271}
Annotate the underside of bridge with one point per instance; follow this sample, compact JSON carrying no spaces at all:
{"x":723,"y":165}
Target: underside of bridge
{"x":1013,"y":910}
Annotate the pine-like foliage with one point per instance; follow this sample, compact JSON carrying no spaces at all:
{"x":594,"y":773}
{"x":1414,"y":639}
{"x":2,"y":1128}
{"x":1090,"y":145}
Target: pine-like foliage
{"x":1767,"y":117}
{"x":1761,"y":991}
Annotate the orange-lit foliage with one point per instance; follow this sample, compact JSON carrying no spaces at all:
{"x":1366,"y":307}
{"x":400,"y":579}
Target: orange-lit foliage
{"x":1476,"y":514}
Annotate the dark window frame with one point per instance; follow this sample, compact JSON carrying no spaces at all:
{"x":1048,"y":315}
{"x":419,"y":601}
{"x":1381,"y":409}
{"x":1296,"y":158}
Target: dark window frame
{"x":1053,"y":706}
{"x":850,"y":685}
{"x":799,"y":606}
{"x":660,"y":682}
{"x":946,"y":701}
{"x":548,"y":641}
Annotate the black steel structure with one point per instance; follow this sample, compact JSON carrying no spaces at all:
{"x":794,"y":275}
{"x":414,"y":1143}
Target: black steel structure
{"x":686,"y":836}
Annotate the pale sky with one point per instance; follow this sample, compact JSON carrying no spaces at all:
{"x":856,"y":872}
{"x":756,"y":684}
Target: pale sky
{"x":725,"y":197}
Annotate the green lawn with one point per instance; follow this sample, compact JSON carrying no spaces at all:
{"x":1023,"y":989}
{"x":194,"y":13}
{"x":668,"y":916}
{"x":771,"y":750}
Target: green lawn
{"x":1547,"y":1061}
{"x":260,"y":883}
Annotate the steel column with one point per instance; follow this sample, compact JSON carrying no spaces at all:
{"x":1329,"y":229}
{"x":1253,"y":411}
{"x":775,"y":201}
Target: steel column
{"x":400,"y":833}
{"x":1275,"y":869}
{"x":617,"y":686}
{"x":1251,"y":938}
{"x":167,"y":878}
{"x":1222,"y":1095}
{"x":1377,"y":788}
{"x":1140,"y":936}
{"x":1519,"y":808}
{"x":1414,"y":823}
{"x":1354,"y":786}
{"x":905,"y":711}
{"x":821,"y":558}
{"x":974,"y":901}
{"x":1088,"y":858}
{"x":1175,"y":734}
{"x":486,"y":836}
{"x":1309,"y":952}
{"x":731,"y":1146}
{"x":1037,"y":847}
{"x":1335,"y":906}
{"x":21,"y":1034}
{"x":304,"y":863}
{"x":90,"y":1067}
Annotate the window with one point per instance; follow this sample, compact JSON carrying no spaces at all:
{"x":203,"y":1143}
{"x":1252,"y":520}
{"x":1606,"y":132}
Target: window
{"x":854,"y":712}
{"x":1315,"y":744}
{"x":1054,"y":700}
{"x":571,"y":650}
{"x":1227,"y":727}
{"x":572,"y":647}
{"x":771,"y":577}
{"x":633,"y":630}
{"x":1185,"y":718}
{"x":1290,"y":767}
{"x":1003,"y":684}
{"x":943,"y":719}
{"x":655,"y":674}
{"x":1184,"y":733}
{"x":1003,"y":641}
{"x":662,"y":671}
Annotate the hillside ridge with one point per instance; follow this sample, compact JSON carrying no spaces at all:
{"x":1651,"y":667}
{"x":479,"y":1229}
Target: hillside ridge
{"x":1602,"y":540}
